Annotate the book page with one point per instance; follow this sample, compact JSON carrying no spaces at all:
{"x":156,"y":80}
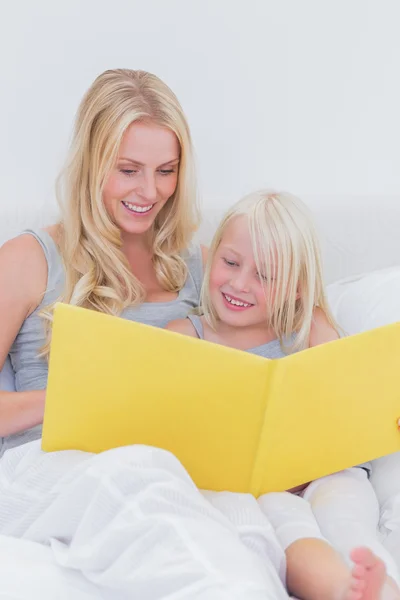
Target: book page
{"x":114,"y":382}
{"x":332,"y":407}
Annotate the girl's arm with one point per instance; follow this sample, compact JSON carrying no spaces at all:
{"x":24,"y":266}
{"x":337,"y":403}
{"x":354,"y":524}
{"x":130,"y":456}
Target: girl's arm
{"x":23,"y":280}
{"x":183,"y":326}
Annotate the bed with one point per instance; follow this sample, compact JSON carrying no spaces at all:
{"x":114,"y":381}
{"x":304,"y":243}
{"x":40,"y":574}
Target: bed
{"x":361,"y":251}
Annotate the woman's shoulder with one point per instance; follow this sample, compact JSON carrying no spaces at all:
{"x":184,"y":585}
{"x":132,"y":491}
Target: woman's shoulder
{"x":36,"y":261}
{"x":48,"y":240}
{"x":23,"y":270}
{"x":23,"y":252}
{"x":54,"y":232}
{"x":33,"y":242}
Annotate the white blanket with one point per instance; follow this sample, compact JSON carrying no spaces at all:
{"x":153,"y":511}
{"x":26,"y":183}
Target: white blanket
{"x":131,"y":523}
{"x":28,"y":571}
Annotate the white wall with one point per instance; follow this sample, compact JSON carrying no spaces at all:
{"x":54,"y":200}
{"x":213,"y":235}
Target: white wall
{"x":300,"y":94}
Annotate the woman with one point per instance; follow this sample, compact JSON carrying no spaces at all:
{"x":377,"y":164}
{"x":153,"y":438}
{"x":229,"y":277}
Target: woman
{"x":122,"y":247}
{"x":128,"y":214}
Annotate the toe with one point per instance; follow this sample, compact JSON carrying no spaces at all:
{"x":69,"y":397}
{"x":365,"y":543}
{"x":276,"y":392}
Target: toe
{"x":364,"y":557}
{"x":358,"y":571}
{"x":357,"y":585}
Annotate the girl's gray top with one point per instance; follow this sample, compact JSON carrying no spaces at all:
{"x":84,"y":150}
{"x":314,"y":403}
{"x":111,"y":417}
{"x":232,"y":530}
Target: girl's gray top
{"x":269,"y":350}
{"x":31,"y":371}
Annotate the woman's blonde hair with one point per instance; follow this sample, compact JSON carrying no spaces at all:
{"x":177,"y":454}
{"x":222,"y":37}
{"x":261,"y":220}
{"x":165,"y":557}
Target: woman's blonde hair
{"x":286,"y":252}
{"x":98,"y":275}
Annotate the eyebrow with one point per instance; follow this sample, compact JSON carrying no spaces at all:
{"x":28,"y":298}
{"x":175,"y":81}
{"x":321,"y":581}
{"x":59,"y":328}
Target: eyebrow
{"x":136,"y":162}
{"x":231,"y":250}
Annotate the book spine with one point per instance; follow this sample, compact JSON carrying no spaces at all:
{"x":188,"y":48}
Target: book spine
{"x":261,"y":459}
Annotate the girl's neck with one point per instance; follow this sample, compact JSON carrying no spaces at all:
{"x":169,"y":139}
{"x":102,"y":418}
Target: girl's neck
{"x":242,"y":338}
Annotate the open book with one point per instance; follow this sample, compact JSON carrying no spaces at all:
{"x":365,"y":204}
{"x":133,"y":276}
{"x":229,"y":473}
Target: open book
{"x":236,"y":421}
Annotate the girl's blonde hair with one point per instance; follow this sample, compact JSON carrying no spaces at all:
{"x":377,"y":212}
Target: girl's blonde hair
{"x":98,"y":275}
{"x":286,"y":252}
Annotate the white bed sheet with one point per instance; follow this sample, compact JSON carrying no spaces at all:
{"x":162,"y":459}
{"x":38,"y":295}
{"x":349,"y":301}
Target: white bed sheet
{"x":28,"y":571}
{"x":127,"y":523}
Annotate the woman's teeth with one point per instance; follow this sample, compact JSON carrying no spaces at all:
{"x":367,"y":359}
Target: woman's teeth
{"x":236,"y":302}
{"x":137,"y":209}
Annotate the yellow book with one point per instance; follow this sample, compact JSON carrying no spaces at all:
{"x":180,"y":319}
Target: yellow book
{"x":236,"y":421}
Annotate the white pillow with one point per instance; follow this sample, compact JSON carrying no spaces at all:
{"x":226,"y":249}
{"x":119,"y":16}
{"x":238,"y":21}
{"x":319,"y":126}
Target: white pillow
{"x":367,"y":301}
{"x":7,"y":377}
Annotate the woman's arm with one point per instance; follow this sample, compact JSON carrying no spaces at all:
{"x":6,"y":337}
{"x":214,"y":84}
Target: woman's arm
{"x":20,"y":411}
{"x":23,"y":279}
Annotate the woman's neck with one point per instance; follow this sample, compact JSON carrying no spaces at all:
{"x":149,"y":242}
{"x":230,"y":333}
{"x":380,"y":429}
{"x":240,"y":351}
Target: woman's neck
{"x":138,"y":252}
{"x":136,"y":244}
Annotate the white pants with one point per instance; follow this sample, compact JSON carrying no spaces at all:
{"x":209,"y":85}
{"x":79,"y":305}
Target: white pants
{"x":342,"y":509}
{"x":385,"y":478}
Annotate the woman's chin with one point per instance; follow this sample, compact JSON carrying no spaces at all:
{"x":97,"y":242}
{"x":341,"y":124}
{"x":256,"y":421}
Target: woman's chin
{"x":135,"y":226}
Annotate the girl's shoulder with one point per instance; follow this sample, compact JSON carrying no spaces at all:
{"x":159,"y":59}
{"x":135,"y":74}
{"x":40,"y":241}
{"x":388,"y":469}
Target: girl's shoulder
{"x":322,"y":330}
{"x":183,"y":326}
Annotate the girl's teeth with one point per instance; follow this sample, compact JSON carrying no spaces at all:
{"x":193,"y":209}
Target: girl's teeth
{"x":236,"y":302}
{"x":138,"y":209}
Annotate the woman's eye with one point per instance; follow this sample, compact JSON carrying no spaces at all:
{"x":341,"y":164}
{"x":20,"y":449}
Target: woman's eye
{"x":166,"y":171}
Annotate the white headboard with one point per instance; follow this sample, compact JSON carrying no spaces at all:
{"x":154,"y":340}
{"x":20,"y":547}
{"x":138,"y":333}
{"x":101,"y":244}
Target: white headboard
{"x":358,"y":233}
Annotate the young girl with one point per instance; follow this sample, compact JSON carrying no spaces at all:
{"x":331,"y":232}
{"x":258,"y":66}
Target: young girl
{"x":263,"y":293}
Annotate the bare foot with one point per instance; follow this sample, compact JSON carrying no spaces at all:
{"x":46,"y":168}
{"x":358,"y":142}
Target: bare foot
{"x":368,"y":576}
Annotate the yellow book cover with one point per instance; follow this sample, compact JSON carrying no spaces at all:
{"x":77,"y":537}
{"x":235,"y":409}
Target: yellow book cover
{"x":236,"y":421}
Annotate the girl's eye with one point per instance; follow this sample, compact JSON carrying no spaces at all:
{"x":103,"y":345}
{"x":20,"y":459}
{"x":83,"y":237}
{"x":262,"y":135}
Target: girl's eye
{"x":230,"y":263}
{"x":262,"y":277}
{"x":265,"y":279}
{"x":166,"y":171}
{"x":128,"y":172}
